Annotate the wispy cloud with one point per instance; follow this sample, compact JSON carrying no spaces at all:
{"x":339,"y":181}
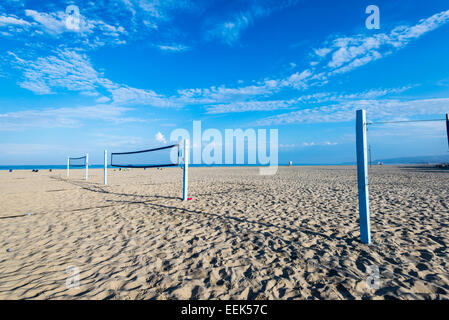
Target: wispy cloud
{"x":159,"y":9}
{"x":376,"y":110}
{"x":67,"y":69}
{"x":341,"y":55}
{"x":173,"y":48}
{"x":222,"y":94}
{"x":53,"y":23}
{"x":12,"y":20}
{"x":40,"y":26}
{"x":271,"y":105}
{"x":344,"y":54}
{"x":229,"y":31}
{"x":63,"y":117}
{"x":307,"y":144}
{"x":72,"y":70}
{"x":139,"y":16}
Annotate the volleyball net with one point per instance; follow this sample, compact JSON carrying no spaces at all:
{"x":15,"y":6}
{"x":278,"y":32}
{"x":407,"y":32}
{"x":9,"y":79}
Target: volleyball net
{"x":166,"y":156}
{"x":428,"y":134}
{"x":79,"y":162}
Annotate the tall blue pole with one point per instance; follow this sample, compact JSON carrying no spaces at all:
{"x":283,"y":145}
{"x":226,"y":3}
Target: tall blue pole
{"x":362,"y":176}
{"x":185,"y":184}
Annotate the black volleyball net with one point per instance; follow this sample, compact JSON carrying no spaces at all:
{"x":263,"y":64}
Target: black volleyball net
{"x":152,"y":158}
{"x":77,"y":162}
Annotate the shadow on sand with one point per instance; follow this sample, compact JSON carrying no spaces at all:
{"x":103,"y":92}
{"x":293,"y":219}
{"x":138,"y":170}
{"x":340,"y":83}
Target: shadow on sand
{"x":426,"y":168}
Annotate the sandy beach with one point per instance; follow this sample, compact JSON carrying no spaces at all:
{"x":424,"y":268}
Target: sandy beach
{"x":294,"y":235}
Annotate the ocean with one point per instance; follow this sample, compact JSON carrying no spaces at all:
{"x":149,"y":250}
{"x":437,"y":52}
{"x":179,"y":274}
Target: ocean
{"x":101,"y":166}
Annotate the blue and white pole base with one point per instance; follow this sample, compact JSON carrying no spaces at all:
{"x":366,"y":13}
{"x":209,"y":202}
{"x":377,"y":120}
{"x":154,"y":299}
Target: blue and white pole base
{"x":185,"y":184}
{"x":362,"y":176}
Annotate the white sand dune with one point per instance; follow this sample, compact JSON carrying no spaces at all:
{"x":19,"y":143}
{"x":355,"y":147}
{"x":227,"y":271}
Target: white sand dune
{"x":294,"y":235}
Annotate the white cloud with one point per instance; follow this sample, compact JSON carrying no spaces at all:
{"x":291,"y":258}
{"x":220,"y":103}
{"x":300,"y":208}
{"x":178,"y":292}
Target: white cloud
{"x":62,"y":117}
{"x":229,"y":31}
{"x":160,"y":138}
{"x":376,"y":110}
{"x":224,"y":94}
{"x":67,"y":69}
{"x":245,"y":106}
{"x":416,"y":129}
{"x":173,"y":48}
{"x":343,"y":55}
{"x":53,"y":23}
{"x":270,"y":105}
{"x":102,"y":100}
{"x":40,"y":26}
{"x":287,"y":146}
{"x":348,"y":53}
{"x":371,"y":94}
{"x":159,"y":9}
{"x":322,"y":52}
{"x":11,"y":20}
{"x":307,"y":144}
{"x":122,"y":94}
{"x":313,"y":144}
{"x":70,"y":70}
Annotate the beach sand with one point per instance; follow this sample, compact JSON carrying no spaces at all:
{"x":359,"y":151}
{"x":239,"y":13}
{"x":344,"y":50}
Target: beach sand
{"x":293,"y":235}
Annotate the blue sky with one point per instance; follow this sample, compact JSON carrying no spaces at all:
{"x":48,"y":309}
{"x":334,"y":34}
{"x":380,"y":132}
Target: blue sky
{"x":137,"y":69}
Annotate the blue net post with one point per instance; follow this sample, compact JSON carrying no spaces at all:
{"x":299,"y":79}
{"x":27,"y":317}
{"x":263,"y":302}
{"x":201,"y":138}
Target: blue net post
{"x":362,"y":176}
{"x":185,"y":185}
{"x":68,"y":166}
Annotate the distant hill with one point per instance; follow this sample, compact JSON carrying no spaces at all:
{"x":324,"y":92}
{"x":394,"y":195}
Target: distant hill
{"x":444,"y":158}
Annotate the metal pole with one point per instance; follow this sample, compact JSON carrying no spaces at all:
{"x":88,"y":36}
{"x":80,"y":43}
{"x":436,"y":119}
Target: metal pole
{"x":362,"y":177}
{"x":185,"y":187}
{"x":87,"y":166}
{"x":447,"y":127}
{"x":105,"y":167}
{"x":370,"y":159}
{"x":68,"y":166}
